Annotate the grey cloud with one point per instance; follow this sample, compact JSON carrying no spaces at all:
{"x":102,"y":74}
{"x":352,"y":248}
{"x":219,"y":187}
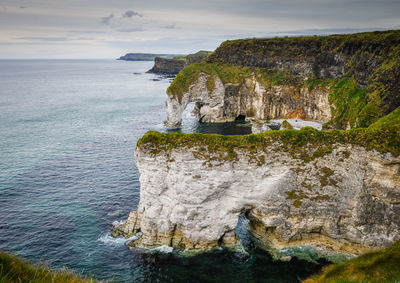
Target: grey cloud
{"x":107,"y":20}
{"x":40,"y":38}
{"x":130,"y":14}
{"x":171,"y":26}
{"x":87,"y":31}
{"x":130,"y":29}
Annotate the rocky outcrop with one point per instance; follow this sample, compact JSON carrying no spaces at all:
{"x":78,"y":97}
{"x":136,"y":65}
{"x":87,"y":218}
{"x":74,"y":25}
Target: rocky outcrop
{"x":172,"y":66}
{"x":342,"y":199}
{"x":167,"y":66}
{"x":197,"y":57}
{"x":250,"y":99}
{"x":362,"y":69}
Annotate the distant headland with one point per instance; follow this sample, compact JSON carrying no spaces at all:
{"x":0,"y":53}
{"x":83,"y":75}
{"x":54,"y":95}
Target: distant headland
{"x":146,"y":56}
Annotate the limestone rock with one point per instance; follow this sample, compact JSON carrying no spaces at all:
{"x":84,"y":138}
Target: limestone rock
{"x":259,"y":127}
{"x":346,"y":201}
{"x":252,"y":99}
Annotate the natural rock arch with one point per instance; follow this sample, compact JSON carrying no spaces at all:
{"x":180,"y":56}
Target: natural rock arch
{"x":221,"y":102}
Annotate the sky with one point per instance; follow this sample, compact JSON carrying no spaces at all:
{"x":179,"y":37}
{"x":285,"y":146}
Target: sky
{"x":110,"y":28}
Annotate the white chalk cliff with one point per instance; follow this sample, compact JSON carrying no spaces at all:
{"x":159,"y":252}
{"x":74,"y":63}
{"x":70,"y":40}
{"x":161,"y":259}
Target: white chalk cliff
{"x":252,"y":99}
{"x":191,"y":198}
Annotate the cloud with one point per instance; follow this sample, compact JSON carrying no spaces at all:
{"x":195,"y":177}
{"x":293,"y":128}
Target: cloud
{"x":130,"y":14}
{"x":130,"y":29}
{"x":170,"y":26}
{"x":40,"y":38}
{"x":107,"y":20}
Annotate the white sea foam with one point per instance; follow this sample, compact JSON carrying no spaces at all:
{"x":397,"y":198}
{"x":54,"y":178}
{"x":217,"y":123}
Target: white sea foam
{"x":106,"y":238}
{"x":118,"y":222}
{"x":163,"y":249}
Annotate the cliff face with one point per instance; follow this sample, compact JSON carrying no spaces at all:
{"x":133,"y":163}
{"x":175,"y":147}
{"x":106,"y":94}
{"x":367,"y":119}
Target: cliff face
{"x":338,"y":198}
{"x":167,"y":66}
{"x":226,"y":102}
{"x":362,"y":68}
{"x":176,"y":64}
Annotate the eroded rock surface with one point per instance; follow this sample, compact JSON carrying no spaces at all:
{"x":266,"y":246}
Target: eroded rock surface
{"x":226,"y":102}
{"x":346,"y":201}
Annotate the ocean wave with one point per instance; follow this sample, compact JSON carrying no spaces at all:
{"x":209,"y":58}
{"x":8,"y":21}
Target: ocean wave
{"x":163,"y":249}
{"x":118,"y":222}
{"x":107,"y":239}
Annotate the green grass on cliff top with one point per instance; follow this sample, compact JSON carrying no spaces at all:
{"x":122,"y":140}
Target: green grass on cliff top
{"x":305,"y":46}
{"x":296,"y":142}
{"x":377,"y":266}
{"x":14,"y":269}
{"x":227,"y":74}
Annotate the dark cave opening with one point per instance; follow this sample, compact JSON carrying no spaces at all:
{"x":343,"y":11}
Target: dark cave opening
{"x":240,"y":118}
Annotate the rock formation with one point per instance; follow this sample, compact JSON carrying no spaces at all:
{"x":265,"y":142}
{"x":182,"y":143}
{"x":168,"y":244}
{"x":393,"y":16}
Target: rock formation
{"x":225,"y":102}
{"x":167,"y":66}
{"x":172,"y":66}
{"x":339,"y":198}
{"x":336,"y":191}
{"x":282,"y":77}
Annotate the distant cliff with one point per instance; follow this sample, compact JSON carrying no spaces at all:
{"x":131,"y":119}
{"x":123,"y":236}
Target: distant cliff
{"x":174,"y":65}
{"x":167,"y":66}
{"x":144,"y":56}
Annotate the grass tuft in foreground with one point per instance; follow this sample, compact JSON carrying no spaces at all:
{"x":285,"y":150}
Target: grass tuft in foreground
{"x":377,"y":266}
{"x":14,"y":269}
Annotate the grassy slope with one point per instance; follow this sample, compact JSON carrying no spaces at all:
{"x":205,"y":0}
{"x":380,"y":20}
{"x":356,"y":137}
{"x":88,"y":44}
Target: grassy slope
{"x":377,"y":266}
{"x":14,"y":269}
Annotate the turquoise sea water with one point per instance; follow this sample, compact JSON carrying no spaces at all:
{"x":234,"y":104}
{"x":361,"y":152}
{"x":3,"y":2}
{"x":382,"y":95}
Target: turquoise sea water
{"x":67,"y":137}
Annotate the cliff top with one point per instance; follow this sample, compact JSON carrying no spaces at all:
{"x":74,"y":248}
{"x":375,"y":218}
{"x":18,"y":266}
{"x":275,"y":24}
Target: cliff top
{"x":235,"y":51}
{"x":306,"y":144}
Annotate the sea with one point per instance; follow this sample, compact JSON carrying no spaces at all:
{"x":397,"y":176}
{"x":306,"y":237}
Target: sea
{"x":68,"y":130}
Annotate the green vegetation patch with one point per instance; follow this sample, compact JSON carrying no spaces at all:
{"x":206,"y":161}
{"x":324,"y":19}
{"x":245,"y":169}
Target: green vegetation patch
{"x":201,"y":53}
{"x":305,"y":144}
{"x":286,"y":125}
{"x":227,"y":74}
{"x":377,"y":266}
{"x":14,"y":269}
{"x":388,"y":121}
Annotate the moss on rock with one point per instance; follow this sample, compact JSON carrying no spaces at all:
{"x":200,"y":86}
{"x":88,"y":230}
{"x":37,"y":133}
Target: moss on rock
{"x":286,"y":125}
{"x":305,"y":144}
